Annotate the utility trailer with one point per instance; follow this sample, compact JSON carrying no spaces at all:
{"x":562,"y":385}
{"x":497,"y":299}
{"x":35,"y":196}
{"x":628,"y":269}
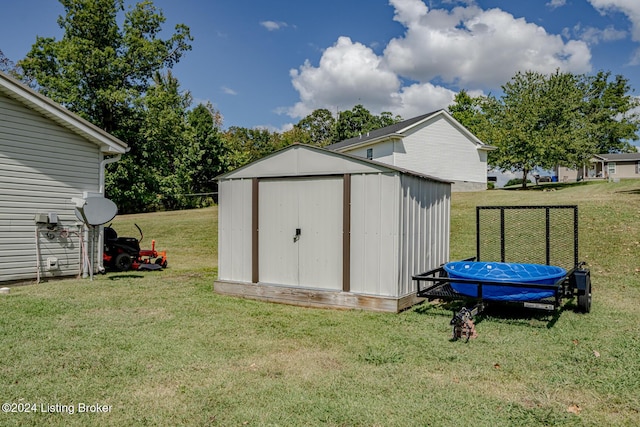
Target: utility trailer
{"x":525,"y":255}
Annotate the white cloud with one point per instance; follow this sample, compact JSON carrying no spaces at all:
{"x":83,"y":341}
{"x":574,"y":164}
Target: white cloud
{"x":594,"y":35}
{"x":228,"y":90}
{"x":554,"y":4}
{"x":469,"y":46}
{"x":348,"y":74}
{"x":282,"y":129}
{"x":421,"y":98}
{"x":464,"y":47}
{"x":273,"y":25}
{"x":631,"y":8}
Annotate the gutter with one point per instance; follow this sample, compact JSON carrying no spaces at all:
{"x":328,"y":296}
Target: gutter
{"x":103,"y":165}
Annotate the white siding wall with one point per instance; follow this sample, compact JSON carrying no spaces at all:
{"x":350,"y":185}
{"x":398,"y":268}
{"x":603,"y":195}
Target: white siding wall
{"x":437,"y":149}
{"x":375,"y":234}
{"x":234,"y":230}
{"x":382,"y":152}
{"x":440,"y":150}
{"x":42,"y":166}
{"x":424,"y":228}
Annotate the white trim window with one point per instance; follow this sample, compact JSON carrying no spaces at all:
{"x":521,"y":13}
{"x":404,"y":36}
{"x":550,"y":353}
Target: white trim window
{"x":370,"y":153}
{"x":611,"y":168}
{"x":638,"y":167}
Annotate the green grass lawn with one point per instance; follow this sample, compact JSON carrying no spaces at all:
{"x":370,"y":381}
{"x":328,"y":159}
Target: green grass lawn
{"x":160,"y":348}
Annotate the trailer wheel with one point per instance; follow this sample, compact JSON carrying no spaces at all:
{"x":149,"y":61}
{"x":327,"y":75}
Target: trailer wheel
{"x":584,"y":299}
{"x":123,"y":262}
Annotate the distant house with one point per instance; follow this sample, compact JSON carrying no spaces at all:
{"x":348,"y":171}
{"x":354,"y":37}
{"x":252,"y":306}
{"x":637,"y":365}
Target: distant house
{"x":48,"y":156}
{"x":604,"y":166}
{"x":433,"y":144}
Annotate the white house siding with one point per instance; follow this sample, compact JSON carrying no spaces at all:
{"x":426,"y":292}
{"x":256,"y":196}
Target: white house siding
{"x":438,"y":149}
{"x":234,"y":228}
{"x":42,"y":166}
{"x":382,"y":152}
{"x":375,"y":233}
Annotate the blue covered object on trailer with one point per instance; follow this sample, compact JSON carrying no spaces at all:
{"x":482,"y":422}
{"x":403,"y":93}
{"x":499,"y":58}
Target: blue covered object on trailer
{"x":508,"y":273}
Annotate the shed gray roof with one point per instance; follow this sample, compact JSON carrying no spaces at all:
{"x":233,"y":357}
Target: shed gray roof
{"x":12,"y":88}
{"x":398,"y":130}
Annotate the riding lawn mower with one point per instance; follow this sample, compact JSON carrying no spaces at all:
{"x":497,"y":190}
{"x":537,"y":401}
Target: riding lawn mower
{"x":124,"y":253}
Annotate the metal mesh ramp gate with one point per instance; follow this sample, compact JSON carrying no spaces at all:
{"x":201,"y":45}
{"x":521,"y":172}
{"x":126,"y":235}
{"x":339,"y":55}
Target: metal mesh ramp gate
{"x":528,"y":234}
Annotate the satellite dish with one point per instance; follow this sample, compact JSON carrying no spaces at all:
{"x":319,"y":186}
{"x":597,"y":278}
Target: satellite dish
{"x":96,"y":210}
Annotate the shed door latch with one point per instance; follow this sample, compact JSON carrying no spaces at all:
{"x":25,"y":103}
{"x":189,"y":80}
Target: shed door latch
{"x":297,"y":236}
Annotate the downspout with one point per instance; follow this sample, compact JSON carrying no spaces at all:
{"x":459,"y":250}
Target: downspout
{"x":103,"y":165}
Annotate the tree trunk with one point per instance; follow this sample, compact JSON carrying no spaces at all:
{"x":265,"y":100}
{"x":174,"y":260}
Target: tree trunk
{"x":525,"y":172}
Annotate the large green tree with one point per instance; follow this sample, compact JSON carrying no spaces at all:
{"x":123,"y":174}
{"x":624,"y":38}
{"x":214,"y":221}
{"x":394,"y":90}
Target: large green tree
{"x":466,"y":109}
{"x":203,"y":158}
{"x":548,"y":120}
{"x":98,"y":69}
{"x":359,"y":121}
{"x":612,"y":110}
{"x":108,"y":67}
{"x":244,"y":145}
{"x":319,"y":126}
{"x":536,"y":123}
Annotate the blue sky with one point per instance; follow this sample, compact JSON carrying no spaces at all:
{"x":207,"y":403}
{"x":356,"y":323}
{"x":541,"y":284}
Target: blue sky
{"x":269,"y":63}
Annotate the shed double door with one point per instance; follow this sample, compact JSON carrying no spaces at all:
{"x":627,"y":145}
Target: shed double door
{"x":300,"y":232}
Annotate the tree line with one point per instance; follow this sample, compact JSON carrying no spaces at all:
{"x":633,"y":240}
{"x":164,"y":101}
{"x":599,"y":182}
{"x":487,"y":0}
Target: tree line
{"x":542,"y":121}
{"x":112,"y":68}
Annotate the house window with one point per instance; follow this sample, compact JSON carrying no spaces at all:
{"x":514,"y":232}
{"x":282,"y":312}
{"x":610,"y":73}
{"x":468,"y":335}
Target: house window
{"x":637,"y":167}
{"x":611,"y":168}
{"x":370,"y":153}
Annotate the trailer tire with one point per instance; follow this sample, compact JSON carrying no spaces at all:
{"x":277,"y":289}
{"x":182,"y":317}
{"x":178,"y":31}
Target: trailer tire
{"x":123,"y":262}
{"x":584,"y":299}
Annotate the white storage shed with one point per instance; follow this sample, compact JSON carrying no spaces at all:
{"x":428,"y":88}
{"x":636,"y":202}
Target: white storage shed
{"x":314,"y":227}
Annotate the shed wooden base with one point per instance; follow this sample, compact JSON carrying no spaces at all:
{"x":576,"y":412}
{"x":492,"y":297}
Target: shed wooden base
{"x":315,"y":297}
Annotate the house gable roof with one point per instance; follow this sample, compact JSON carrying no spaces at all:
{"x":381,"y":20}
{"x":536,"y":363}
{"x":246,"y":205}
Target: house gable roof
{"x":308,"y":160}
{"x":619,"y":157}
{"x":13,"y":89}
{"x":398,"y":130}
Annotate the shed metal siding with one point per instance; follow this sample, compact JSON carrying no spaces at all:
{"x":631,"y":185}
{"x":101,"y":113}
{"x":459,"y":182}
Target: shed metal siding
{"x":399,"y":225}
{"x":424,"y":228}
{"x":42,"y":166}
{"x":375,"y":233}
{"x":234,"y":230}
{"x":314,"y":206}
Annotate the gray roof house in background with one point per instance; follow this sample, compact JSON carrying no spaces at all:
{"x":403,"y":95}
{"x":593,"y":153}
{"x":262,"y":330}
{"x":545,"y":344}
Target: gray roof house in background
{"x":433,"y":144}
{"x":604,"y":166}
{"x":48,"y":156}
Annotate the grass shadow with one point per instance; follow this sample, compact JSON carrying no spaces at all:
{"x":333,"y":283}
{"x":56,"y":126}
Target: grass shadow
{"x":551,"y":186}
{"x":635,"y":191}
{"x":126,"y":276}
{"x":501,"y":312}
